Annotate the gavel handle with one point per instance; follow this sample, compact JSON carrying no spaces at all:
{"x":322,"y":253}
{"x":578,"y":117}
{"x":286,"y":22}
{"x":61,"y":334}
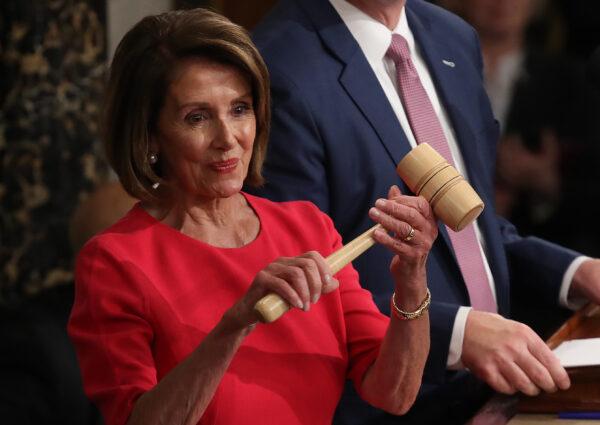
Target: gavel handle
{"x":271,"y":307}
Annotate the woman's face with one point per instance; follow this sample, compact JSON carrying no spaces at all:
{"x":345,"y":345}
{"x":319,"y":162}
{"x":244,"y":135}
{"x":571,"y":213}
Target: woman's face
{"x":206,"y":129}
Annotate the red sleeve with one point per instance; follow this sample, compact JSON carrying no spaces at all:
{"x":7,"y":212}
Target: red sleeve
{"x":365,"y":324}
{"x":111,"y":333}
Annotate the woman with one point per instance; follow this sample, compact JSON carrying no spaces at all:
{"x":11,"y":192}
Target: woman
{"x":163,"y":320}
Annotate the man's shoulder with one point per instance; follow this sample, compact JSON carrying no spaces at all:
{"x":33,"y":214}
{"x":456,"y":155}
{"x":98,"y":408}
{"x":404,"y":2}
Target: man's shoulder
{"x":289,"y":42}
{"x":287,"y":36}
{"x":286,"y":19}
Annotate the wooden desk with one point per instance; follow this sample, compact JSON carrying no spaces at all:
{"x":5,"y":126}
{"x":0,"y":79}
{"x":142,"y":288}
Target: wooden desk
{"x":584,"y":393}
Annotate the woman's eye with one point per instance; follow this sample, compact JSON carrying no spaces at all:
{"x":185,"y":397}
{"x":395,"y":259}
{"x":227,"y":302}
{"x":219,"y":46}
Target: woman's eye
{"x":195,"y":118}
{"x":241,"y":108}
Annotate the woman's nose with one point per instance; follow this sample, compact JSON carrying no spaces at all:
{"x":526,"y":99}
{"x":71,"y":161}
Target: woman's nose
{"x":225,"y":135}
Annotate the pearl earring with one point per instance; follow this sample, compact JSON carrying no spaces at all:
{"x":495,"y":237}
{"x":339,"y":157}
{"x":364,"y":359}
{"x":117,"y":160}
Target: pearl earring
{"x":153,"y":159}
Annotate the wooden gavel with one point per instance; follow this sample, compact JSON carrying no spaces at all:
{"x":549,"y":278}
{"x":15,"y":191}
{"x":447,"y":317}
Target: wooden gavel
{"x":426,"y":173}
{"x":271,"y":307}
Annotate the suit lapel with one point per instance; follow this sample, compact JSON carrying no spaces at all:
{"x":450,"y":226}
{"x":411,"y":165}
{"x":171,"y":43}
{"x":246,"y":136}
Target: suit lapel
{"x":358,"y":78}
{"x":362,"y":86}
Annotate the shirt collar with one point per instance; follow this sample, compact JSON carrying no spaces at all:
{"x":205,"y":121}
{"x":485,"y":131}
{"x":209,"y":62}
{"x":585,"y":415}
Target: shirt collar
{"x":372,"y":36}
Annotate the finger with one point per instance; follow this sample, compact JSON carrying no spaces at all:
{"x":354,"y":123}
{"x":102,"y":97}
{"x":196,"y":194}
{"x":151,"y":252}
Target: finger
{"x":312,"y":275}
{"x":391,"y":243}
{"x":537,"y":372}
{"x":500,"y":383}
{"x":408,"y":201}
{"x":419,"y":203}
{"x":390,"y":223}
{"x":402,"y":232}
{"x":324,"y":271}
{"x":403,"y":212}
{"x":397,"y":227}
{"x":518,"y":378}
{"x":294,"y":276}
{"x":279,"y":286}
{"x":492,"y":375}
{"x":394,"y":192}
{"x":548,"y":359}
{"x":331,"y":286}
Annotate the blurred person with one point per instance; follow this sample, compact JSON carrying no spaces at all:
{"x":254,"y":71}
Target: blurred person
{"x":545,"y":157}
{"x":163,"y":320}
{"x":357,"y":84}
{"x":52,"y":66}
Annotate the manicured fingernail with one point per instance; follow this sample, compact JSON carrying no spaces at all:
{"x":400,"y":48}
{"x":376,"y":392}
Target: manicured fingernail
{"x":315,"y":298}
{"x":306,"y":307}
{"x":299,"y":304}
{"x":374,"y":212}
{"x":380,"y":203}
{"x":327,"y":278}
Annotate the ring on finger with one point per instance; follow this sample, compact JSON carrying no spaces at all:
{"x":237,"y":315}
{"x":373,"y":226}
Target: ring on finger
{"x":410,"y":235}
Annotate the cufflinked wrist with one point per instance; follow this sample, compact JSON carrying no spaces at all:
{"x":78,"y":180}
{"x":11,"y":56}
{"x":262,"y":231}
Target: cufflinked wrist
{"x":411,"y":315}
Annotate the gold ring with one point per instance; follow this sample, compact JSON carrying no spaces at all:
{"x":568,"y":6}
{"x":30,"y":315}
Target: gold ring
{"x":411,"y":234}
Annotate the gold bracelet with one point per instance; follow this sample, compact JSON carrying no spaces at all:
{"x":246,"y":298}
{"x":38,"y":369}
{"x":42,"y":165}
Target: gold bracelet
{"x":410,"y":315}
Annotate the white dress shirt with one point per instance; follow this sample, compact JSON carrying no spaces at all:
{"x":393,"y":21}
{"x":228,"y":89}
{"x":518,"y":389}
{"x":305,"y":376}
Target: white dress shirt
{"x":374,"y":38}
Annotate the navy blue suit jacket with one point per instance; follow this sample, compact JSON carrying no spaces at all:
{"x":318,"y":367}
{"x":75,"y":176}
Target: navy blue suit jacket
{"x":335,"y":140}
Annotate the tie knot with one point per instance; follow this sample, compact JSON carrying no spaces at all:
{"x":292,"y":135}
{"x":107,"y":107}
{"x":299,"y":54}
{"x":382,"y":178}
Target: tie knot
{"x":398,"y":50}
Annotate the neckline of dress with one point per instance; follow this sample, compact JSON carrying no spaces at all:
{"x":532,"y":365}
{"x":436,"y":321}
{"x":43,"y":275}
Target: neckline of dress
{"x":155,"y":222}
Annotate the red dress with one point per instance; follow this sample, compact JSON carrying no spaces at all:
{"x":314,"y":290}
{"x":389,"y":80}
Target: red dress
{"x":147,"y":295}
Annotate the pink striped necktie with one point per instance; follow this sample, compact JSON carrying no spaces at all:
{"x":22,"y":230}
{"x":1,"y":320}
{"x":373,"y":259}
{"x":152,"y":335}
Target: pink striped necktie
{"x":427,"y":128}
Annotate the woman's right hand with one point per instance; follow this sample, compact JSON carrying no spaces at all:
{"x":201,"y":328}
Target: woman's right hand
{"x":300,"y":281}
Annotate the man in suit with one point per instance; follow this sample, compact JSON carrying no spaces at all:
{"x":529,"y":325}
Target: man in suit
{"x":342,"y":120}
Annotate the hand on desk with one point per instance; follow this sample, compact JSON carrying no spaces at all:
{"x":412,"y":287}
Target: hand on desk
{"x":509,"y":356}
{"x":586,"y":281}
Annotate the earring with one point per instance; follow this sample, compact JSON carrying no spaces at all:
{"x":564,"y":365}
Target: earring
{"x":153,"y":159}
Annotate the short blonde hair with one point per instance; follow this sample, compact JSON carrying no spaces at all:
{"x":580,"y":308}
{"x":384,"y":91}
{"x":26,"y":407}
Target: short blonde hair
{"x":138,"y":82}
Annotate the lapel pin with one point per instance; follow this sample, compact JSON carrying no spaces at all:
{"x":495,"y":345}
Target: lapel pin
{"x":448,"y":63}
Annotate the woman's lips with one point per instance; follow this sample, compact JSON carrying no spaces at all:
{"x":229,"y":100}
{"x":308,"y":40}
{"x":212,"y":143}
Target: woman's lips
{"x":225,"y":166}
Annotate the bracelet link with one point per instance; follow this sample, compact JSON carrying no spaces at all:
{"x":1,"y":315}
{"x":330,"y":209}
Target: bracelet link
{"x":411,"y":315}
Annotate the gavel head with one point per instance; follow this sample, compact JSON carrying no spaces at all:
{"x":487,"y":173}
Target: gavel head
{"x":451,"y":197}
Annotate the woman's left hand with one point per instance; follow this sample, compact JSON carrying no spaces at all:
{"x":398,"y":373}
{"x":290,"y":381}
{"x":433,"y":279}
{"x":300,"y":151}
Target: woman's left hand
{"x":412,"y":230}
{"x":409,"y":229}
